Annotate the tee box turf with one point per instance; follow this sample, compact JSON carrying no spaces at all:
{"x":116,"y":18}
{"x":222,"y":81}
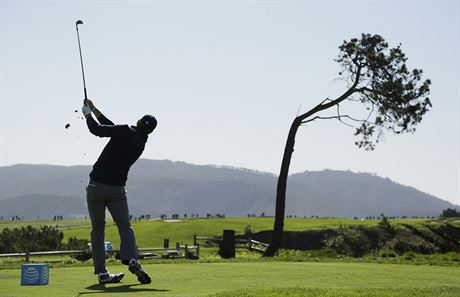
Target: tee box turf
{"x":34,"y":274}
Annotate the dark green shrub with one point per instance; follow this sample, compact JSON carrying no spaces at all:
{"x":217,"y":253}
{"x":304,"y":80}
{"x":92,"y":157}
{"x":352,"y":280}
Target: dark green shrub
{"x":387,"y":254}
{"x":30,"y":239}
{"x":403,"y":243}
{"x":387,"y":227}
{"x":349,"y":241}
{"x":77,"y":244}
{"x":450,"y":213}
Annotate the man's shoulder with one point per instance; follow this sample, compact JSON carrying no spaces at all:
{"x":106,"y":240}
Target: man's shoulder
{"x":122,"y":130}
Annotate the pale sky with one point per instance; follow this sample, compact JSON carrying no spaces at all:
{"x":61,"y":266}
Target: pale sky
{"x":225,"y":79}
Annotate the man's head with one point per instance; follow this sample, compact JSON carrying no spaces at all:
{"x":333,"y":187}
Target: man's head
{"x":147,"y":123}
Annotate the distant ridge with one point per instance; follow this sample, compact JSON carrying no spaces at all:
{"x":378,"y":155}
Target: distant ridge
{"x":167,"y":187}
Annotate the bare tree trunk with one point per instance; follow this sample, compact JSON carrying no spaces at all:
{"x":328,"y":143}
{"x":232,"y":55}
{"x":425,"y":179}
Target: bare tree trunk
{"x":278,"y":227}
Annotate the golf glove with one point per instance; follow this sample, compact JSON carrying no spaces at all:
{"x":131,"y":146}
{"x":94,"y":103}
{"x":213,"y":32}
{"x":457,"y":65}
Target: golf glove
{"x":86,"y":110}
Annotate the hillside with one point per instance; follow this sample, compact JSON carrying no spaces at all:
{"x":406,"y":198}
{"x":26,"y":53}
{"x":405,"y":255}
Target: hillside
{"x":166,"y":187}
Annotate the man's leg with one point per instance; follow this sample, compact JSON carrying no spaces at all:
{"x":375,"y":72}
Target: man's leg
{"x":118,"y":207}
{"x":96,"y":209}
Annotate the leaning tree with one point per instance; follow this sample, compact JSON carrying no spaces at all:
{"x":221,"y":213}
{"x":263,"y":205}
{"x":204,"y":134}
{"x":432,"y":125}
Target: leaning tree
{"x":394,"y":99}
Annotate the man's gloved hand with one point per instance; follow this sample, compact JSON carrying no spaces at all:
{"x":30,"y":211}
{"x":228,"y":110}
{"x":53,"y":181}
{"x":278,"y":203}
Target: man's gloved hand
{"x":93,"y":108}
{"x":86,"y":110}
{"x":90,"y":104}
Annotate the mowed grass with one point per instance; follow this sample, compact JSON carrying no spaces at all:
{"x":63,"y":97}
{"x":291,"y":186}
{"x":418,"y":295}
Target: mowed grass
{"x":314,"y":292}
{"x":253,"y":279}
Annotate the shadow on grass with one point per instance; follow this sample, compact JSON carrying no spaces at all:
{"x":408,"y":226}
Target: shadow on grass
{"x":98,"y":288}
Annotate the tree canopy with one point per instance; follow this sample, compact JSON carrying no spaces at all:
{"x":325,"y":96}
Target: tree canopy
{"x":396,"y":97}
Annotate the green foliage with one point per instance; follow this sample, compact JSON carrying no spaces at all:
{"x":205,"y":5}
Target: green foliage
{"x":309,"y":255}
{"x":403,"y":243}
{"x":395,"y":96}
{"x":30,"y":239}
{"x":349,"y":241}
{"x":450,"y":213}
{"x":77,"y":244}
{"x":390,"y":240}
{"x":385,"y":225}
{"x":43,"y":238}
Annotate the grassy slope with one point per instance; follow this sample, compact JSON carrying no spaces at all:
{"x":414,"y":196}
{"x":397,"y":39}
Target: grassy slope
{"x":200,"y":279}
{"x":151,"y":233}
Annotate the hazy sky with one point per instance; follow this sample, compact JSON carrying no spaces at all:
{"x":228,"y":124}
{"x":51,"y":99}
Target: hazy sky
{"x":225,"y":79}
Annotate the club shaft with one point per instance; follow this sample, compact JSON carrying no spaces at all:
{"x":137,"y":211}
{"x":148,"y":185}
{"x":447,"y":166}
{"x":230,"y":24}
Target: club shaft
{"x":81,"y":61}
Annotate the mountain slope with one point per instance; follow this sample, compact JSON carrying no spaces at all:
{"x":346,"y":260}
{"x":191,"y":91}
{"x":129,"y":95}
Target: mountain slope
{"x":360,"y":194}
{"x":166,"y":187}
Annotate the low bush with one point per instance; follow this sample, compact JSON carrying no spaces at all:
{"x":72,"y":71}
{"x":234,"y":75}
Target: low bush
{"x":30,"y":239}
{"x":404,"y":243}
{"x":45,"y":238}
{"x":349,"y":241}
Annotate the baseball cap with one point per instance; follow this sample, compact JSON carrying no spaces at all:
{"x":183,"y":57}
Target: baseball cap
{"x":149,"y":122}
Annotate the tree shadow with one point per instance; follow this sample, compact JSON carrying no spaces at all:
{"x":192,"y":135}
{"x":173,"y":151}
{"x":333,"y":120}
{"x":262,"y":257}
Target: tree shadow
{"x":102,"y":288}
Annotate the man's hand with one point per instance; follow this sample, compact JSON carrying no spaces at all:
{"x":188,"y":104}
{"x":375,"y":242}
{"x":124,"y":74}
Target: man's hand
{"x":89,"y":103}
{"x":86,"y":110}
{"x":93,"y":108}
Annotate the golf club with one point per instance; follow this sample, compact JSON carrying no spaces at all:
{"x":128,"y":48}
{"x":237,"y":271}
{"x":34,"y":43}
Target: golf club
{"x":80,"y":22}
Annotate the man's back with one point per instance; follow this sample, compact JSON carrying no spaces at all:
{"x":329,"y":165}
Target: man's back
{"x":124,"y":148}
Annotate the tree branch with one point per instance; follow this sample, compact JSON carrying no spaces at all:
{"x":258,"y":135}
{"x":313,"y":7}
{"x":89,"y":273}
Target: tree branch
{"x":325,"y":100}
{"x":337,"y":117}
{"x":345,"y":95}
{"x":372,"y":111}
{"x":331,"y":103}
{"x":300,"y":106}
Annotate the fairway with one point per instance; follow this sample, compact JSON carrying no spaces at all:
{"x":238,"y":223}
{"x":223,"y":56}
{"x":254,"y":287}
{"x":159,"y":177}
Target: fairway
{"x":202,"y":279}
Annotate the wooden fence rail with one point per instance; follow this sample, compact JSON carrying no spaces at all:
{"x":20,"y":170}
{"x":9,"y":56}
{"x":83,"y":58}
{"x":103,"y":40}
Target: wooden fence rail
{"x":249,"y":244}
{"x":190,"y":251}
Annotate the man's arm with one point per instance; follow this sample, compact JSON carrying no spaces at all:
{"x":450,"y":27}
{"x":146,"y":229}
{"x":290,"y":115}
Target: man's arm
{"x":105,"y":130}
{"x":97,"y":129}
{"x":103,"y":120}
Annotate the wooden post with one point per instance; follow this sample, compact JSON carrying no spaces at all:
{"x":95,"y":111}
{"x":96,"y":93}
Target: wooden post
{"x":227,"y":246}
{"x":27,"y":256}
{"x":194,"y":239}
{"x":198,"y":250}
{"x":177,"y":245}
{"x":186,"y":253}
{"x":166,"y":243}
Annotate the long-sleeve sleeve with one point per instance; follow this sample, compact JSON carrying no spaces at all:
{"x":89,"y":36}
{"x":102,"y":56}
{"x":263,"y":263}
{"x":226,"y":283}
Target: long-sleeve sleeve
{"x":109,"y":130}
{"x":103,"y":120}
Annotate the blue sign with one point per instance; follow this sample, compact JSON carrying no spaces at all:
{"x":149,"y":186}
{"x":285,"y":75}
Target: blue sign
{"x":34,"y":274}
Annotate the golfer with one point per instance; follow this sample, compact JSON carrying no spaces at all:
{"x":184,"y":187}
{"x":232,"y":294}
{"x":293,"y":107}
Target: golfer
{"x":106,"y":188}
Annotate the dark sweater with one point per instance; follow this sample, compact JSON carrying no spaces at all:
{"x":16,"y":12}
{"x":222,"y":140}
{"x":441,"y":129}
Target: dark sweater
{"x":124,"y":148}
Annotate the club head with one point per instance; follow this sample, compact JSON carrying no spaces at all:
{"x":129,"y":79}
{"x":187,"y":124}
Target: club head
{"x":79,"y":22}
